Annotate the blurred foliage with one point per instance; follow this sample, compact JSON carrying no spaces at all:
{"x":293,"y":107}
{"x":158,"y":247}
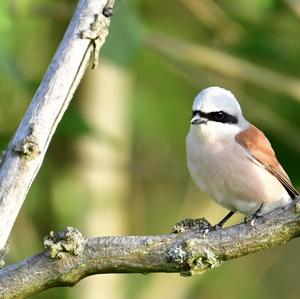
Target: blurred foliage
{"x":263,"y":33}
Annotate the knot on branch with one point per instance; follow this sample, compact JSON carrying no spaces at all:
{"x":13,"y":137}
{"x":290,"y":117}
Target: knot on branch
{"x":199,"y":224}
{"x":28,"y":147}
{"x":107,"y":11}
{"x":69,"y":241}
{"x":97,"y":33}
{"x":194,"y":263}
{"x":185,"y":253}
{"x":199,"y":263}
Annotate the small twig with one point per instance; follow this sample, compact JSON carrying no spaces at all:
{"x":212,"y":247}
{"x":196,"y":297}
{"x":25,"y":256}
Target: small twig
{"x":192,"y":248}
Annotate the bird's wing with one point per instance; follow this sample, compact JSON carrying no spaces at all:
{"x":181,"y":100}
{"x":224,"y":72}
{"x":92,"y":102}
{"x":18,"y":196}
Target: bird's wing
{"x":260,"y":149}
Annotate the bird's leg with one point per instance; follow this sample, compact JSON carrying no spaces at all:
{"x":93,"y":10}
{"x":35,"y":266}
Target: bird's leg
{"x":255,"y":215}
{"x":222,"y":222}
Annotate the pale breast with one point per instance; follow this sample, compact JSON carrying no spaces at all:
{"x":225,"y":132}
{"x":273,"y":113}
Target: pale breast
{"x":225,"y":171}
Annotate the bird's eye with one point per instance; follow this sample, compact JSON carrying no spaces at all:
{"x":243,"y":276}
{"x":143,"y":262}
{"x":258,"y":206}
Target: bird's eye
{"x":219,"y":115}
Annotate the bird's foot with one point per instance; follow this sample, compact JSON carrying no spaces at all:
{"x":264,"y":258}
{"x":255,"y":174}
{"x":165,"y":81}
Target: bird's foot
{"x":255,"y":216}
{"x":217,"y":227}
{"x":251,"y":219}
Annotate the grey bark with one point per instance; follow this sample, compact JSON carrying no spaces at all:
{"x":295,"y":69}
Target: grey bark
{"x":192,"y":248}
{"x":27,"y":149}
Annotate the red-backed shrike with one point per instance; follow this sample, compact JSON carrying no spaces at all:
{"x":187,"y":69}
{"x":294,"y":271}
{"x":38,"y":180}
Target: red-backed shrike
{"x":232,"y":160}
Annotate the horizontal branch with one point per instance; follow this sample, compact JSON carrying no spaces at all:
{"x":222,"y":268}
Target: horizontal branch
{"x":192,"y":248}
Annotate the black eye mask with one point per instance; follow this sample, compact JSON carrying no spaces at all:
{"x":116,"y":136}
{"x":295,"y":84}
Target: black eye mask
{"x":218,"y":116}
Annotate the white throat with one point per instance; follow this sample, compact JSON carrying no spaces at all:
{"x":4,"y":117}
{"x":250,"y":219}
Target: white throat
{"x":215,"y":132}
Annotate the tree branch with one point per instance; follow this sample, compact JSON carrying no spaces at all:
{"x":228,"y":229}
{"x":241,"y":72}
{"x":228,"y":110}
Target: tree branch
{"x":20,"y":163}
{"x":192,"y":248}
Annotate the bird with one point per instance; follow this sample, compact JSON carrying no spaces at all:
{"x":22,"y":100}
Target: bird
{"x":232,"y":160}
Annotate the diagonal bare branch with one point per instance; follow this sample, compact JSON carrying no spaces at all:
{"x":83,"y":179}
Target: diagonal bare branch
{"x":27,"y":149}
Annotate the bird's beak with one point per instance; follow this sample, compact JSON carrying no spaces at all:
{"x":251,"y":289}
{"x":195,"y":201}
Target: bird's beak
{"x":198,"y":120}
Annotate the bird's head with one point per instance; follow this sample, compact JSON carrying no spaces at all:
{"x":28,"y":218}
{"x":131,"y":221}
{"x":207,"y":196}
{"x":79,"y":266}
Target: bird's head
{"x":217,"y":113}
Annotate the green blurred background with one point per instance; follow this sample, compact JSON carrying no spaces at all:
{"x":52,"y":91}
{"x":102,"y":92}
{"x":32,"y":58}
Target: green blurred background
{"x":117,"y":165}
